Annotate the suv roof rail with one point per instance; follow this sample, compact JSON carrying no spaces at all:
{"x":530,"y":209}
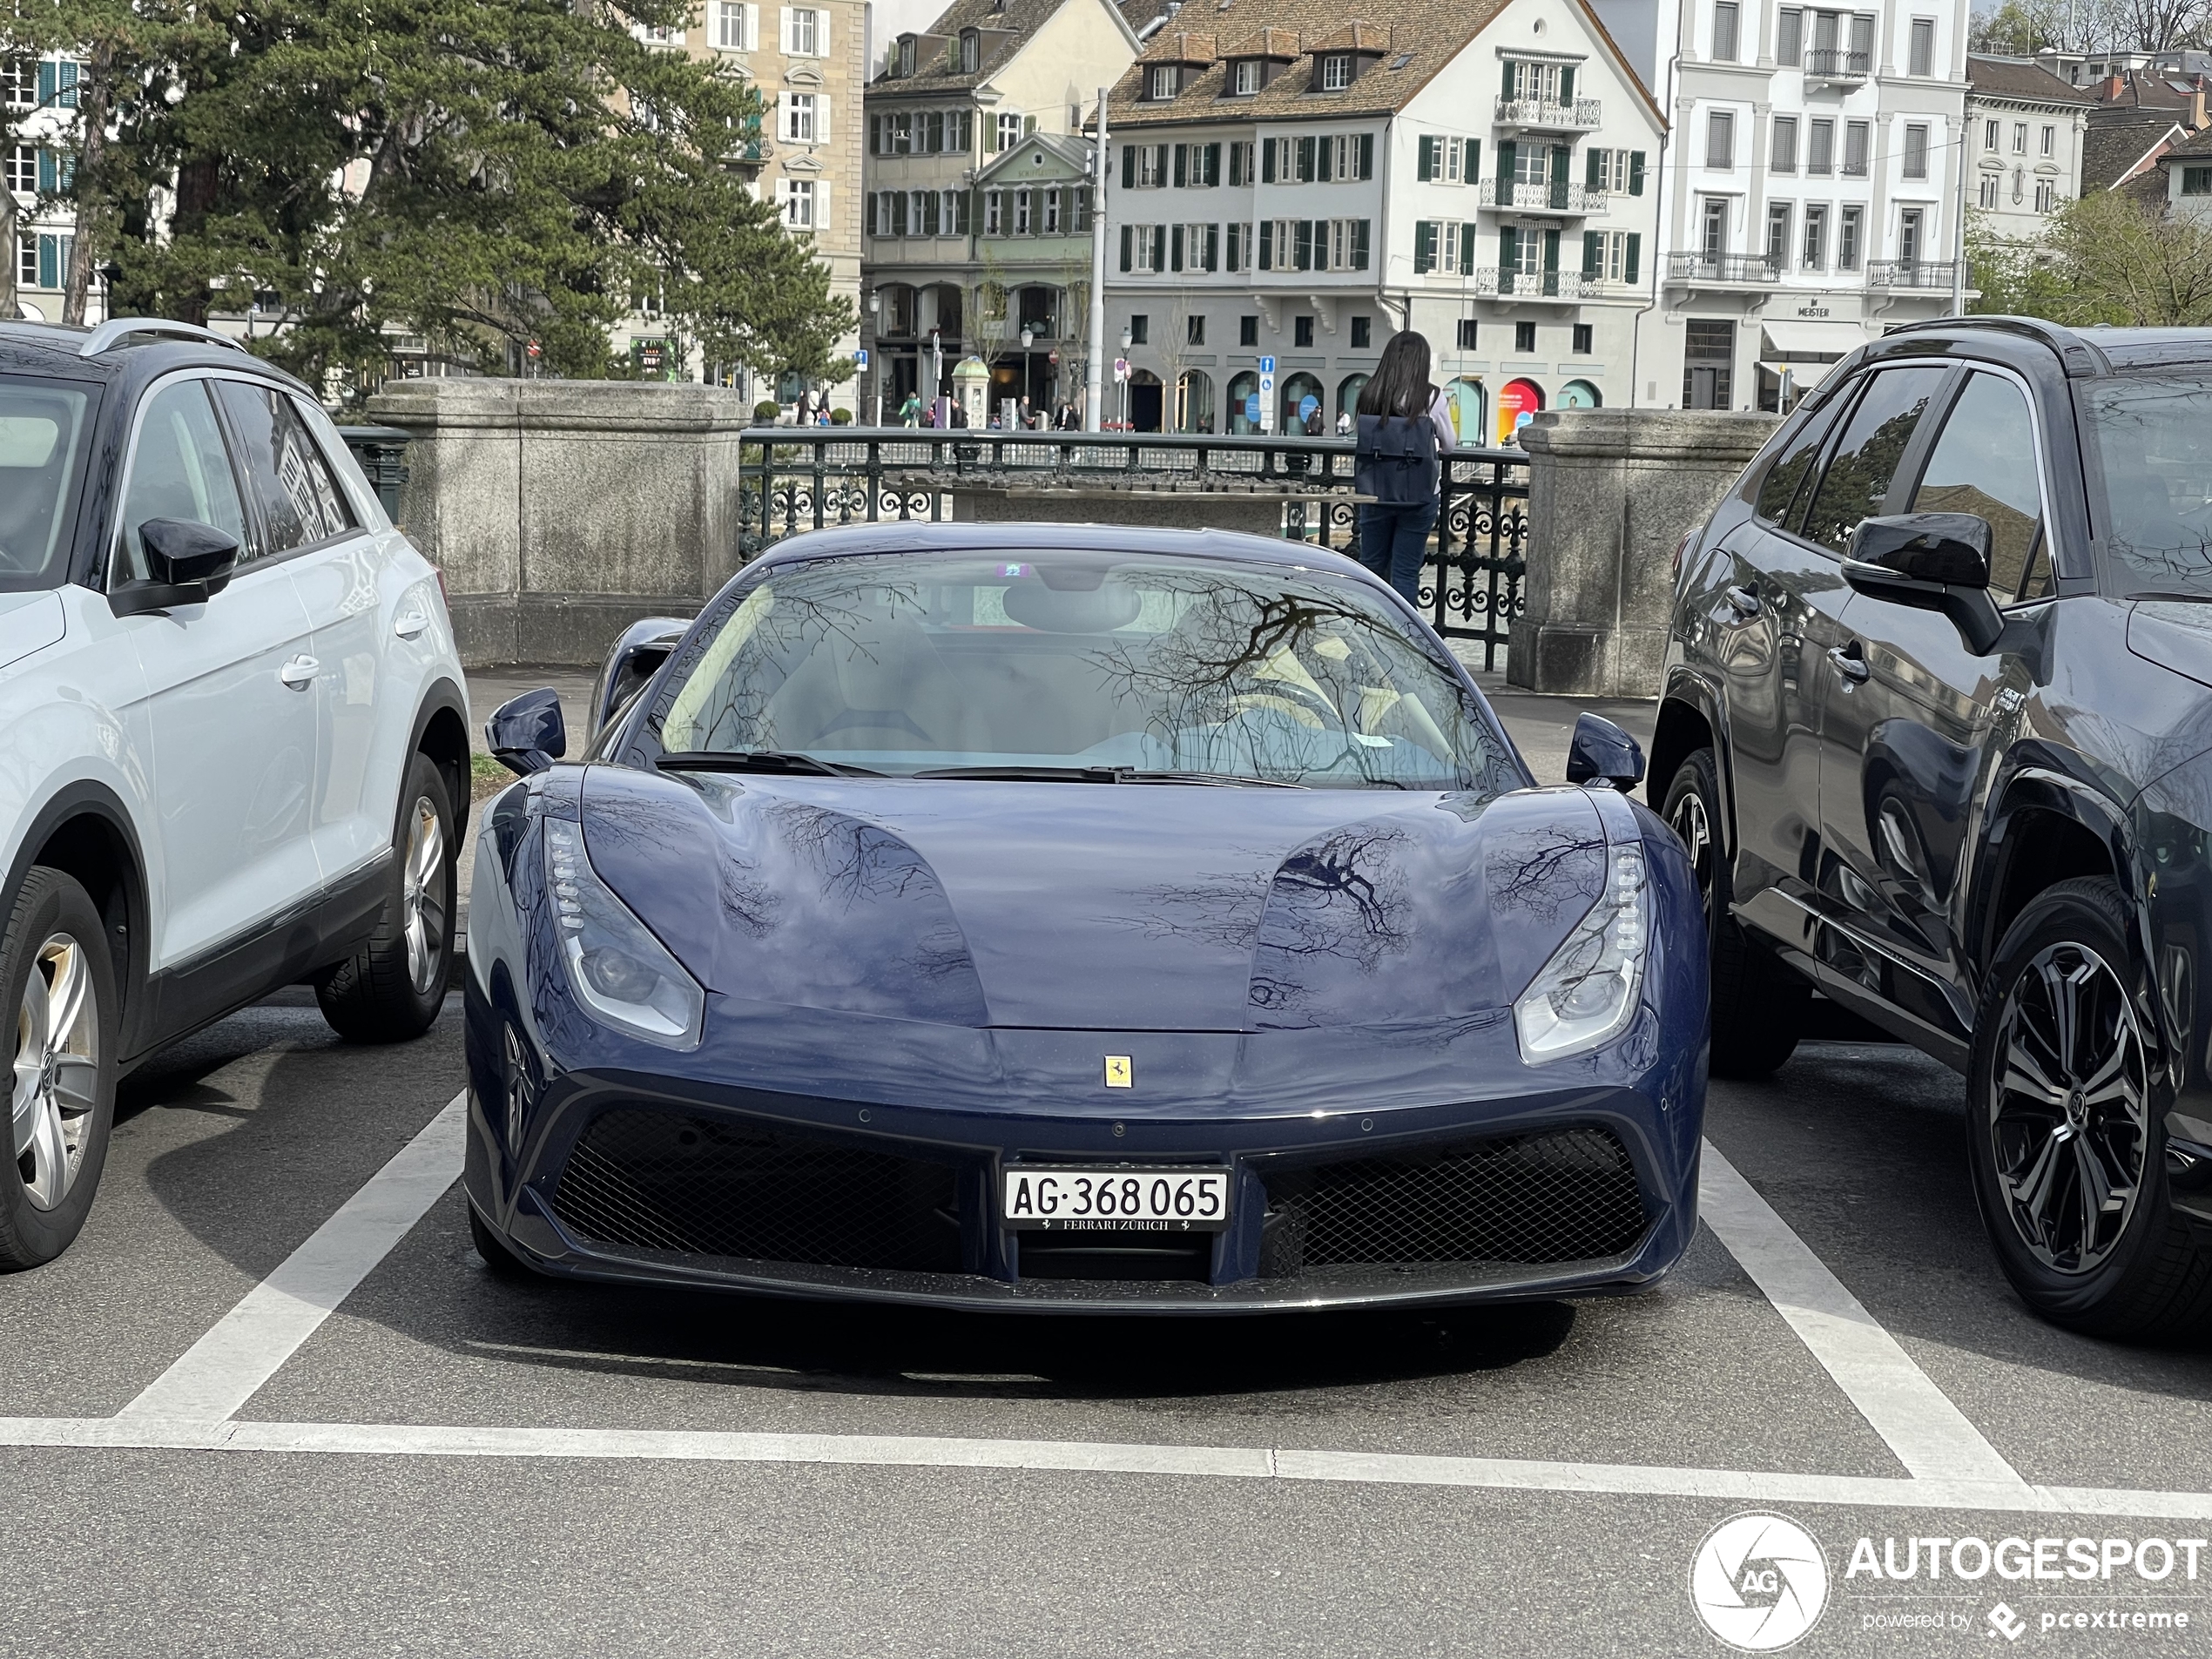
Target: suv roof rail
{"x":104,"y":337}
{"x":2079,"y":355}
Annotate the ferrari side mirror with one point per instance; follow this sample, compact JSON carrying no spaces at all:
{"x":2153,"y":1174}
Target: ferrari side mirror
{"x":1601,"y":750}
{"x":526,"y":734}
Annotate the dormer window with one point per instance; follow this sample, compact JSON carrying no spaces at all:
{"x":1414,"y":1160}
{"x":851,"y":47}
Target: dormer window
{"x":1167,"y":81}
{"x":906,"y":55}
{"x":971,"y":51}
{"x":1245,"y":79}
{"x":1335,"y":71}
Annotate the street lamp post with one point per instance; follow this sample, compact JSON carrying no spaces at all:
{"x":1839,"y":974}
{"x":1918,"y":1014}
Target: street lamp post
{"x":875,"y":341}
{"x":1129,"y":339}
{"x":1094,"y":390}
{"x":1028,"y":338}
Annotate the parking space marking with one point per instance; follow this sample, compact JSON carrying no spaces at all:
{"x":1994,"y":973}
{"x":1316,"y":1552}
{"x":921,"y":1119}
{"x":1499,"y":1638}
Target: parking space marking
{"x":218,"y":1373}
{"x":1929,"y":1434}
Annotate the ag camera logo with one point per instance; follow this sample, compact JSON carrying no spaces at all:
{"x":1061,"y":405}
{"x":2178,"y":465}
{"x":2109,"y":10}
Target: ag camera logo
{"x":1760,"y":1582}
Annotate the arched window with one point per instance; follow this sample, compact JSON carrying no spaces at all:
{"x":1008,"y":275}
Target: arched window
{"x":1295,"y":390}
{"x":1348,"y":393}
{"x":1244,"y":404}
{"x":1194,"y":401}
{"x":1467,"y":404}
{"x":1145,"y":396}
{"x":1580,"y":394}
{"x":1519,"y":399}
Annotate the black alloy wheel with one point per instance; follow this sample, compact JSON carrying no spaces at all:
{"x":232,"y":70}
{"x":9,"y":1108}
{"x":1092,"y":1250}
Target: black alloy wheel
{"x":1758,"y":1004}
{"x":2067,"y":1098}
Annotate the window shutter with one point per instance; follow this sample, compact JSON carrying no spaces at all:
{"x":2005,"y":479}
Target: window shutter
{"x":960,"y":202}
{"x":1562,"y":164}
{"x":821,"y":204}
{"x":1267,"y":161}
{"x":1592,"y":243}
{"x":751,"y":28}
{"x":1175,"y":249}
{"x":1028,"y":125}
{"x":1359,"y":244}
{"x":1213,"y":247}
{"x":898,"y":212}
{"x":1508,"y":85}
{"x":1425,"y":160}
{"x":48,"y":183}
{"x":50,"y":262}
{"x":822,"y":31}
{"x":1305,"y":159}
{"x":1129,"y":171}
{"x":822,"y":127}
{"x":1508,"y":258}
{"x":1466,"y":246}
{"x":1551,"y":261}
{"x":1594,"y":171}
{"x":1182,"y":165}
{"x":868,"y":214}
{"x":1424,"y":247}
{"x":1159,"y":246}
{"x":1128,"y":231}
{"x":1213,"y":164}
{"x":875,"y":135}
{"x":1366,"y":155}
{"x":1302,"y":258}
{"x":782,"y":44}
{"x":1566,"y":85}
{"x":45,"y":83}
{"x":1472,"y":167}
{"x":1508,"y":158}
{"x":1628,"y":264}
{"x":1636,"y":172}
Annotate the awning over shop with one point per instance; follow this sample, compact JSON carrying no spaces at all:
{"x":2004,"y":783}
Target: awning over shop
{"x":1790,"y":338}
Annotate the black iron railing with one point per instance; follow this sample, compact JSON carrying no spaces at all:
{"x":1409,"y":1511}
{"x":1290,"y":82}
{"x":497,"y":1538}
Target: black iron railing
{"x":794,"y":479}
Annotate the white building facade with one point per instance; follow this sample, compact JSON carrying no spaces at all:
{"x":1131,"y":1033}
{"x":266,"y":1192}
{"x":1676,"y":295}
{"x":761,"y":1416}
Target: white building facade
{"x":2024,"y":132}
{"x":1304,"y":187}
{"x":1809,"y":198}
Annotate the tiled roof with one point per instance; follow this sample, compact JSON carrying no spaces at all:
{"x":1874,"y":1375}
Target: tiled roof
{"x":1005,"y":26}
{"x":2111,"y":151}
{"x":1267,"y":42}
{"x":1428,"y":35}
{"x":2201,"y":145}
{"x":1997,"y":77}
{"x":1179,"y":46}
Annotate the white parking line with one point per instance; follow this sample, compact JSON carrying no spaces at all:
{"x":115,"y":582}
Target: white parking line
{"x":221,"y":1372}
{"x":1931,"y":1437}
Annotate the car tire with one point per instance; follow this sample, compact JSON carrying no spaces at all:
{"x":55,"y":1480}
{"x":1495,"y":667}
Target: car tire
{"x":391,"y":989}
{"x":1758,"y":1004}
{"x":59,"y":981}
{"x":499,"y":1261}
{"x":2062,"y":1108}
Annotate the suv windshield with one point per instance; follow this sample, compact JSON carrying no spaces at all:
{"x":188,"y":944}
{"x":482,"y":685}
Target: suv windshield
{"x":45,"y":428}
{"x":2154,"y":439}
{"x":908,"y":664}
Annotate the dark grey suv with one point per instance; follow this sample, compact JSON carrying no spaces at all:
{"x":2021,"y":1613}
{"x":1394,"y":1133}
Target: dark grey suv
{"x":1937,"y":727}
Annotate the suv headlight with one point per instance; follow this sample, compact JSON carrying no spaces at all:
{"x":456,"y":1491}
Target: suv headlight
{"x":1586,"y":994}
{"x":616,"y":967}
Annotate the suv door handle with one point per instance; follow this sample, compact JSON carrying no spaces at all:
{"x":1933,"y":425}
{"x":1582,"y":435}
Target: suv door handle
{"x":411,"y":625}
{"x":299,"y":672}
{"x":1850,"y":661}
{"x":1745,"y":601}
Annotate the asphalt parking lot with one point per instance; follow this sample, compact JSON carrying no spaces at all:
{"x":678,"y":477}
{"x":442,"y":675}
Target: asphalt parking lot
{"x":272,"y":1402}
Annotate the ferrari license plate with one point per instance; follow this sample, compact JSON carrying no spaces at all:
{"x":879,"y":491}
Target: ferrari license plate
{"x":1173,"y":1200}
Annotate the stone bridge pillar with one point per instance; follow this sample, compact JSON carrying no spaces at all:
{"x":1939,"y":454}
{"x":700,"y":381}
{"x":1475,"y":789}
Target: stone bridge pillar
{"x":1610,"y":492}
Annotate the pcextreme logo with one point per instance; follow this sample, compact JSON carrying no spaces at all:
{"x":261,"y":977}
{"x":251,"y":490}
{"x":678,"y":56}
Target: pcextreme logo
{"x":1760,"y":1582}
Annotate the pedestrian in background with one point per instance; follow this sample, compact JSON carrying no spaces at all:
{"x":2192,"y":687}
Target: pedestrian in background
{"x":1405,"y":425}
{"x":910,"y":411}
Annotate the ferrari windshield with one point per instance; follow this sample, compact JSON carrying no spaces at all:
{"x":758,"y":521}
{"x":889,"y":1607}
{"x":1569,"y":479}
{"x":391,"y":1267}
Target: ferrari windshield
{"x":1082,"y":663}
{"x":2154,"y":439}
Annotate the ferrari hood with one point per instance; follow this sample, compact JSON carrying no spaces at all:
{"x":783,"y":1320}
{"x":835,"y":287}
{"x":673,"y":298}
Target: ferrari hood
{"x":1098,"y":906}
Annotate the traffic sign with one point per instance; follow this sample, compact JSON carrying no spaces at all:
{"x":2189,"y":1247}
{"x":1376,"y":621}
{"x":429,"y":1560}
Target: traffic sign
{"x":1267,"y":367}
{"x":861,"y":358}
{"x":1121,"y":368}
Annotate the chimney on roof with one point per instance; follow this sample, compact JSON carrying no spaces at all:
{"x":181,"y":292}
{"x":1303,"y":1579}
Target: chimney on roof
{"x":2113,"y":88}
{"x":2196,"y":106}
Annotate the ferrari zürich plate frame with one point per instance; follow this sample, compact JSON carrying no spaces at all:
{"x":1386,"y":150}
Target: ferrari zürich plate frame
{"x":1117,"y":1198}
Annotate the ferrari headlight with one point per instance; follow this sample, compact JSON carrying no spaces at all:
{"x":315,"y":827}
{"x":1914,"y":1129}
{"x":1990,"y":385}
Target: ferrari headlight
{"x":1586,"y":993}
{"x":616,"y":967}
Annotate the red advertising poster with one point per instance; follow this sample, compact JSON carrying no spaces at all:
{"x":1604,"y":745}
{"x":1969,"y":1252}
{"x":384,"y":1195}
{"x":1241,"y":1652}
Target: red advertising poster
{"x":1519,"y":398}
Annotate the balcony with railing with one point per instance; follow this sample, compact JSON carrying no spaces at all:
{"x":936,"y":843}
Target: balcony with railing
{"x":1910,"y":274}
{"x":1542,"y":115}
{"x":1506,"y":281}
{"x":1724,"y":270}
{"x":1834,"y":65}
{"x":1554,"y":197}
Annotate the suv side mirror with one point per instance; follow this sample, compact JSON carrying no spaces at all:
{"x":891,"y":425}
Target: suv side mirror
{"x":1930,"y":561}
{"x":526,"y":733}
{"x":188,"y":564}
{"x":1601,"y":749}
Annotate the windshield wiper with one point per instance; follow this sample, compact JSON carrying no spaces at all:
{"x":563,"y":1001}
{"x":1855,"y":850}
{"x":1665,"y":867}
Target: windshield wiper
{"x":1099,"y":775}
{"x":782,"y":760}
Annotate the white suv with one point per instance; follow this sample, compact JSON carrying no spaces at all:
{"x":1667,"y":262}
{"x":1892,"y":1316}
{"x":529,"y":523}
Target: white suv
{"x":233,"y":733}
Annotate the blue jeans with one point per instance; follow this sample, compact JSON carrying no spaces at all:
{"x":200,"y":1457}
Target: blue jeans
{"x":1393,"y":542}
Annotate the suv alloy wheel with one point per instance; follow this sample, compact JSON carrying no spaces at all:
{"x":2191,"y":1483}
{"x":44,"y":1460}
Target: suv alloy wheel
{"x":2065,"y":1108}
{"x":391,"y":989}
{"x":60,"y":985}
{"x":1759,"y":1005}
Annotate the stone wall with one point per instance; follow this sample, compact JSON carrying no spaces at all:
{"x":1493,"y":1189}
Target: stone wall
{"x":1610,"y":492}
{"x":560,"y":511}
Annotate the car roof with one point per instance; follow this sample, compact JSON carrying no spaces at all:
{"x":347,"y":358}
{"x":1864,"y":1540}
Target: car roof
{"x":55,"y":348}
{"x":905,"y":536}
{"x":2085,"y":352}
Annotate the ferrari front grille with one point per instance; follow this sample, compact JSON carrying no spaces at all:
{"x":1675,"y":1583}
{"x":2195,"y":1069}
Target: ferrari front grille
{"x":651,"y":1177}
{"x":1566,"y":1195}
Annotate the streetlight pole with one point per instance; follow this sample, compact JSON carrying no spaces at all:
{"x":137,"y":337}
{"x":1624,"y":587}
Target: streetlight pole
{"x":1959,"y":240}
{"x":1094,"y":371}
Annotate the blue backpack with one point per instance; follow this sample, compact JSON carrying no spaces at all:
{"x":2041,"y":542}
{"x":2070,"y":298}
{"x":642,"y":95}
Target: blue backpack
{"x":1394,"y":459}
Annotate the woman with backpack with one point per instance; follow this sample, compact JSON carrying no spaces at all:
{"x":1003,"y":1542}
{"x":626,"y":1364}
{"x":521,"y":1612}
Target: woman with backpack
{"x":1405,"y":425}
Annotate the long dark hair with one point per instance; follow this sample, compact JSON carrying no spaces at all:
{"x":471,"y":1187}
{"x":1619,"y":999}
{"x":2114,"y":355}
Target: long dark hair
{"x":1400,"y":384}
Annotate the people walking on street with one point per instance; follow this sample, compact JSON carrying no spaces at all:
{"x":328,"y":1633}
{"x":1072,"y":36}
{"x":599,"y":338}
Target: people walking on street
{"x":910,"y":411}
{"x":1404,"y":424}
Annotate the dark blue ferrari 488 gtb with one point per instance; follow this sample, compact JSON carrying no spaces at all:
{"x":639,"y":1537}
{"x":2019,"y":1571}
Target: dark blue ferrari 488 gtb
{"x":1075,"y":919}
